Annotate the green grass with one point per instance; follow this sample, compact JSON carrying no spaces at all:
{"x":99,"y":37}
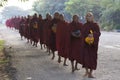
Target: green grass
{"x":4,"y":61}
{"x":1,"y":48}
{"x":1,"y":44}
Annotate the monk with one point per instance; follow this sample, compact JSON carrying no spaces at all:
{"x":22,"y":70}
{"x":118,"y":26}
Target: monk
{"x":35,"y":34}
{"x":21,"y":28}
{"x":46,"y":31}
{"x":28,"y":28}
{"x":75,"y":42}
{"x":53,"y":27}
{"x":40,"y":28}
{"x":61,"y":42}
{"x":89,"y":55}
{"x":18,"y":21}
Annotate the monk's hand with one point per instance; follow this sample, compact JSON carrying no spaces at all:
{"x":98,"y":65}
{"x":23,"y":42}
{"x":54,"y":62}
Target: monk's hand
{"x":90,"y":35}
{"x":78,"y":36}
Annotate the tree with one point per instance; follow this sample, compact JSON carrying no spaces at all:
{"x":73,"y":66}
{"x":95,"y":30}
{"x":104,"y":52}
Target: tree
{"x":3,"y":2}
{"x":81,"y":7}
{"x":49,"y":6}
{"x":116,"y":18}
{"x":76,"y":7}
{"x":13,"y":11}
{"x":110,"y":14}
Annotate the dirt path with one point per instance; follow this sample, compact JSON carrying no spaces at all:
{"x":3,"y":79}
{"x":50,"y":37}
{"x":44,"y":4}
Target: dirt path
{"x":32,"y":63}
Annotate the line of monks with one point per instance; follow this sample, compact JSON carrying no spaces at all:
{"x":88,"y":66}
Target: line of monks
{"x":74,"y":41}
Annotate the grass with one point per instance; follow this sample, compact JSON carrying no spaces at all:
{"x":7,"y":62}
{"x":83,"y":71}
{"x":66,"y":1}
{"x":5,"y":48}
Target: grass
{"x":1,"y":44}
{"x":1,"y":52}
{"x":4,"y":61}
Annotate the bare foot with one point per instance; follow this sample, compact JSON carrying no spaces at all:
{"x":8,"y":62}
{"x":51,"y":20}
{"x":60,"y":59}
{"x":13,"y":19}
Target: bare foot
{"x":53,"y":57}
{"x":90,"y":76}
{"x":65,"y":64}
{"x":77,"y":68}
{"x":85,"y":75}
{"x":34,"y":44}
{"x":49,"y":53}
{"x":31,"y":42}
{"x":41,"y":48}
{"x":59,"y":61}
{"x":27,"y":41}
{"x":73,"y":70}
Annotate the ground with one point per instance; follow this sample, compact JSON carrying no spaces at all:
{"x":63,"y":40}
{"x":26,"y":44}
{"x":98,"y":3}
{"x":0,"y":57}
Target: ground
{"x":32,"y":63}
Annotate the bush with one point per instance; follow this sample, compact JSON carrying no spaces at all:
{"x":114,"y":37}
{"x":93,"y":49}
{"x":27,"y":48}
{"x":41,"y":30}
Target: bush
{"x":1,"y":45}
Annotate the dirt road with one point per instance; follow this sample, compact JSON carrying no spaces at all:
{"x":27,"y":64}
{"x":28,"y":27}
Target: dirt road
{"x":33,"y":63}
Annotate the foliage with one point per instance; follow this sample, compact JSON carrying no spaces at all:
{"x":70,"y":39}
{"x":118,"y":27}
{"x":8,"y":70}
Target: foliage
{"x":110,"y":15}
{"x":1,"y":44}
{"x":9,"y":11}
{"x":49,"y":6}
{"x":3,"y":2}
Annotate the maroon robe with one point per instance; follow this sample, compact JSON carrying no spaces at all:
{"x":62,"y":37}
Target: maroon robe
{"x":11,"y":23}
{"x":27,"y":28}
{"x":53,"y":36}
{"x":75,"y":43}
{"x":61,"y":41}
{"x":35,"y":31}
{"x":21,"y":28}
{"x":40,"y":28}
{"x":46,"y":31}
{"x":18,"y":21}
{"x":89,"y":55}
{"x":7,"y":23}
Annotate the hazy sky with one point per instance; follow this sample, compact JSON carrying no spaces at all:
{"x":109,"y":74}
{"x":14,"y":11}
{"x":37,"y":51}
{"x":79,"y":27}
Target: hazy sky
{"x":23,"y":5}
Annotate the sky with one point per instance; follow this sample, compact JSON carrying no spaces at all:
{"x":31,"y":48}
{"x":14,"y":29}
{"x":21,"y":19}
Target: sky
{"x":24,"y":5}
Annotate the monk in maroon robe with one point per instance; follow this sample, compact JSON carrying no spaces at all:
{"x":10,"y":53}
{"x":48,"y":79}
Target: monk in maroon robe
{"x":89,"y":55}
{"x":7,"y":23}
{"x":25,"y":27}
{"x":18,"y":21}
{"x":21,"y":28}
{"x":28,"y":28}
{"x":40,"y":28}
{"x":11,"y":23}
{"x":76,"y":41}
{"x":61,"y":34}
{"x":53,"y":34}
{"x":46,"y":31}
{"x":35,"y":34}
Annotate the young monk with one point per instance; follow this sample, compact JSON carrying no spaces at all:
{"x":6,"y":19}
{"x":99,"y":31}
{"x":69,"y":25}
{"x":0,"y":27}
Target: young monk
{"x":35,"y":34}
{"x":89,"y":56}
{"x":61,"y":42}
{"x":75,"y":42}
{"x":53,"y":27}
{"x":28,"y":28}
{"x":46,"y":31}
{"x":40,"y":29}
{"x":21,"y":28}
